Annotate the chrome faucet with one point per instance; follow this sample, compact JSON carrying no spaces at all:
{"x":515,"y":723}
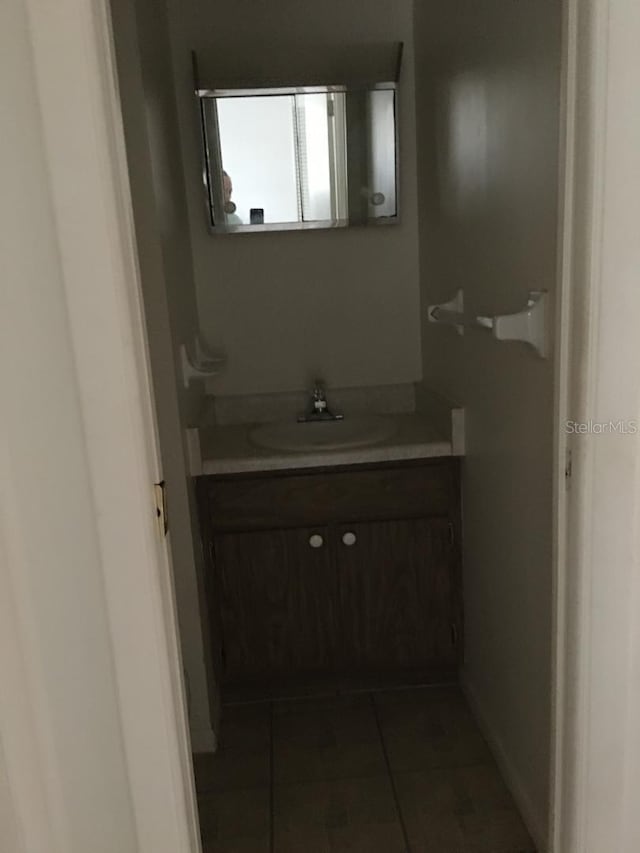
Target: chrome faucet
{"x":318,"y":407}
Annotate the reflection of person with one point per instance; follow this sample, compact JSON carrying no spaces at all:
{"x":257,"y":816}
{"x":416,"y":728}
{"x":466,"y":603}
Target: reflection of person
{"x":231,"y":216}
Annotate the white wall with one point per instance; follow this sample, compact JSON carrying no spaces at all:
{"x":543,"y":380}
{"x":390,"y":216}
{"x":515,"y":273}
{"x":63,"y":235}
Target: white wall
{"x":343,"y":305}
{"x":10,"y":832}
{"x":154,"y":155}
{"x":488,"y":106}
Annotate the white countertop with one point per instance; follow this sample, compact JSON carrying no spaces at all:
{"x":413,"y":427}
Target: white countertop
{"x":229,"y":450}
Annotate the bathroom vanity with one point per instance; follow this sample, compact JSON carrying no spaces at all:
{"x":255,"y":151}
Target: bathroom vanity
{"x":334,"y":573}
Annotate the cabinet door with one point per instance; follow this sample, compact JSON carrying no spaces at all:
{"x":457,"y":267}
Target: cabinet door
{"x":277,"y":601}
{"x":397,"y":587}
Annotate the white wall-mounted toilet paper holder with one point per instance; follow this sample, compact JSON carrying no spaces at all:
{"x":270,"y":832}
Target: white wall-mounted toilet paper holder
{"x":529,"y":325}
{"x":449,"y":313}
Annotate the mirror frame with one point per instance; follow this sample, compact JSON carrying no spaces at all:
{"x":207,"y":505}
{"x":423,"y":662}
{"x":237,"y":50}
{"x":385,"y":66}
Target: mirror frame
{"x":213,"y":158}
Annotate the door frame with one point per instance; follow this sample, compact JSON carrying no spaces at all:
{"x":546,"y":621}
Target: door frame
{"x":596,"y":748}
{"x":73,"y":53}
{"x":68,"y":49}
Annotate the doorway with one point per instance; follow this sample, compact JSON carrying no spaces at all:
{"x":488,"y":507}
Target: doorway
{"x":481,"y":220}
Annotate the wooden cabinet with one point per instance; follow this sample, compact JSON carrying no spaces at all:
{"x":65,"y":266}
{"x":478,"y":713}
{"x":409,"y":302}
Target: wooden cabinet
{"x":396,"y":594}
{"x":276,"y":592}
{"x":342,"y":574}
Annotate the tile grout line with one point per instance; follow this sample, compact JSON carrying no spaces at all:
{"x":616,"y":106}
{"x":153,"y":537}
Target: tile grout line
{"x":394,"y":790}
{"x":271,"y":783}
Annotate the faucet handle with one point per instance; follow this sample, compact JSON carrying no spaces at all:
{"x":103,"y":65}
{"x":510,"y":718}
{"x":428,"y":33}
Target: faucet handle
{"x":319,"y":396}
{"x":318,"y":390}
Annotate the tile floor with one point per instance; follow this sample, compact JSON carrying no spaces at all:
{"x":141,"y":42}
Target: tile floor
{"x":401,"y":771}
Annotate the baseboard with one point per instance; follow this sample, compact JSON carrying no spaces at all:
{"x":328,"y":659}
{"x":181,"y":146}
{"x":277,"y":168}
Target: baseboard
{"x":533,"y":819}
{"x":203,"y":740}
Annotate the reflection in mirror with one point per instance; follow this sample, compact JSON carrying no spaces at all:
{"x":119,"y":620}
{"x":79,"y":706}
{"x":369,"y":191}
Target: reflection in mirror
{"x":299,"y":158}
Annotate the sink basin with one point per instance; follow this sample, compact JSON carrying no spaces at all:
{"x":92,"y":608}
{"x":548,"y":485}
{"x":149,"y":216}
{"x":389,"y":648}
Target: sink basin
{"x":324,"y":435}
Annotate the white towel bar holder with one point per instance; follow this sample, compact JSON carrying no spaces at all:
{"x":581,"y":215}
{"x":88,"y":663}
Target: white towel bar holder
{"x":529,"y":325}
{"x":449,"y":313}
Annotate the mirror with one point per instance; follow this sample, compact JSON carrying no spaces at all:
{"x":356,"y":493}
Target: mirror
{"x":299,"y":158}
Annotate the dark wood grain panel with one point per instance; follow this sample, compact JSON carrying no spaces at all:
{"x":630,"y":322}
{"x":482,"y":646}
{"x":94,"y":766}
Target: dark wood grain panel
{"x":397,"y":594}
{"x":243,"y":503}
{"x":277,"y":598}
{"x":286,"y":616}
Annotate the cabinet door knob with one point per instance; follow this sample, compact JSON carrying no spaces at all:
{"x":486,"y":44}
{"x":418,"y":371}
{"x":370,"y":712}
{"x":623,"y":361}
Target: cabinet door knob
{"x":316,"y":541}
{"x":349,"y":538}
